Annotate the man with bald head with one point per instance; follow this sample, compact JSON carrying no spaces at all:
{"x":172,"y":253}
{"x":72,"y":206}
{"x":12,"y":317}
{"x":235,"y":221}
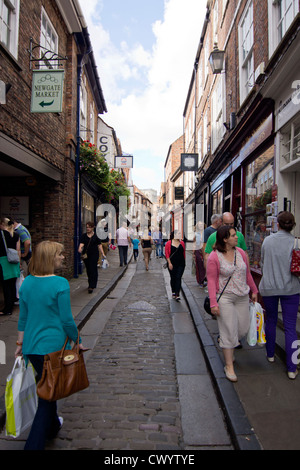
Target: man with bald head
{"x":228,"y":219}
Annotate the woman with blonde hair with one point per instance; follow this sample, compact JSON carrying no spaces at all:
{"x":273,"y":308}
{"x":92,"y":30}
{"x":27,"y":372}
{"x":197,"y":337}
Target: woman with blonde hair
{"x":147,"y":243}
{"x":9,"y":271}
{"x":45,"y":321}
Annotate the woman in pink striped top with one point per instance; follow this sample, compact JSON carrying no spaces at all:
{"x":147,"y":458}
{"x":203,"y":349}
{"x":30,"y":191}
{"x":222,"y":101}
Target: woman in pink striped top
{"x":232,"y":309}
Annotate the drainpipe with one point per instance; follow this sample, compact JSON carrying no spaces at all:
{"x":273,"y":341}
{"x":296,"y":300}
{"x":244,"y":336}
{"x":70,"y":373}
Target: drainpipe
{"x":76,"y":177}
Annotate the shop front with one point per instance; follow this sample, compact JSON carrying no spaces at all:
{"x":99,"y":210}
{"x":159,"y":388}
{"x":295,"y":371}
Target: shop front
{"x":246,"y":188}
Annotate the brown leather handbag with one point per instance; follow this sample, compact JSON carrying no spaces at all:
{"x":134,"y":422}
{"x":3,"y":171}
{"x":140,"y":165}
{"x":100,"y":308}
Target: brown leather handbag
{"x":64,"y":373}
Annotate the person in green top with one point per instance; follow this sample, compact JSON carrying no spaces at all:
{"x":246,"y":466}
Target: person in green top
{"x":228,"y":219}
{"x":45,"y":321}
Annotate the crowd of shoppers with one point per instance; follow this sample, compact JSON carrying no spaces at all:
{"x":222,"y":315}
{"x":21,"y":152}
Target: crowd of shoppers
{"x":226,"y":259}
{"x":221,"y":255}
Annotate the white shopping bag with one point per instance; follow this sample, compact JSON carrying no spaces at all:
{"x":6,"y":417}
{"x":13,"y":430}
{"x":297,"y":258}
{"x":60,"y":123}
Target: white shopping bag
{"x":104,"y":263}
{"x":20,"y":398}
{"x":252,"y":332}
{"x":260,"y":319}
{"x":19,"y":282}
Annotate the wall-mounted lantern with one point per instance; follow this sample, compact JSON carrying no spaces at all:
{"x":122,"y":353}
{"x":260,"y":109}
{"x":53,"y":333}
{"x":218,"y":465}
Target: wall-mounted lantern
{"x":216,"y":59}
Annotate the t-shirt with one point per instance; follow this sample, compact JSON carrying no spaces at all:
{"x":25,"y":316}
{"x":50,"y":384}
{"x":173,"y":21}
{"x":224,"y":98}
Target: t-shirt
{"x":135,"y":243}
{"x":212,"y":240}
{"x":24,"y":235}
{"x":90,"y":245}
{"x":207,"y":232}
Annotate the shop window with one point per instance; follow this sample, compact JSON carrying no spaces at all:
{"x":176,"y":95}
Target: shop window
{"x":217,"y":202}
{"x":87,"y":209}
{"x":259,"y":184}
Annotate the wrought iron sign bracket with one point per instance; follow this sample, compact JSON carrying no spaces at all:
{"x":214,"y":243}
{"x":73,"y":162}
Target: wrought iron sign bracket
{"x":48,"y":58}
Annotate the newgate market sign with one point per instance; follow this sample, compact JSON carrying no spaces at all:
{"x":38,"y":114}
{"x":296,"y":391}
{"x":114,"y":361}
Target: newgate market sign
{"x":47,"y":91}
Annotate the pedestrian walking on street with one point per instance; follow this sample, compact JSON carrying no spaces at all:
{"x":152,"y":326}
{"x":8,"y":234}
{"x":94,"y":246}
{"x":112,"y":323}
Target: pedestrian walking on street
{"x":158,"y":242}
{"x":147,"y":243}
{"x":123,"y":241}
{"x":45,"y":321}
{"x":216,"y":222}
{"x":227,"y":219}
{"x":9,"y":271}
{"x":278,"y":283}
{"x":90,"y":247}
{"x":25,"y":244}
{"x":228,"y":262}
{"x":104,"y":235}
{"x":135,"y":243}
{"x":175,"y":256}
{"x":198,"y":253}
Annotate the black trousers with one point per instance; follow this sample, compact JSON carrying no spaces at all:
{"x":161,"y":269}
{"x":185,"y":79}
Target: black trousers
{"x":46,"y":423}
{"x":9,"y":293}
{"x":175,"y":281}
{"x":92,"y":270}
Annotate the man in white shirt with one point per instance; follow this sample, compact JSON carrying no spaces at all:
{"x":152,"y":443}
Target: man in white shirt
{"x":123,"y":241}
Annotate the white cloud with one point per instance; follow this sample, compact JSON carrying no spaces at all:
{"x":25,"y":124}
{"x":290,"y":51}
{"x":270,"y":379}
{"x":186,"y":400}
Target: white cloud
{"x":149,"y":116}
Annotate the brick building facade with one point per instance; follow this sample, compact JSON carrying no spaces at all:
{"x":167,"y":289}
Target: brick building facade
{"x":243,"y":119}
{"x":39,"y":184}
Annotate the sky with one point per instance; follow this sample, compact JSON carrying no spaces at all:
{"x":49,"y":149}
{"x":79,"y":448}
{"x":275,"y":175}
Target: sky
{"x":145,"y":52}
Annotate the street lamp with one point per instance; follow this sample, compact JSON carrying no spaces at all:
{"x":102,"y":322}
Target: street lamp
{"x":216,"y":60}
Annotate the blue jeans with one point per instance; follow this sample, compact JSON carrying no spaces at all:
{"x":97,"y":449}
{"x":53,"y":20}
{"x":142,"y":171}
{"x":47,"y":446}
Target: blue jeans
{"x":46,"y":423}
{"x":289,"y":306}
{"x":123,"y":250}
{"x":159,"y":250}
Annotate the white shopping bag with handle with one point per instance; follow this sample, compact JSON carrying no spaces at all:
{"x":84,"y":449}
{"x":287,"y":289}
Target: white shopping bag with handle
{"x":20,"y":398}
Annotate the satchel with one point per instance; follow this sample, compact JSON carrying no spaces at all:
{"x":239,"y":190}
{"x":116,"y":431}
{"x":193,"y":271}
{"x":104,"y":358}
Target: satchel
{"x":206,"y":304}
{"x":11,"y":253}
{"x":295,"y":264}
{"x":64,"y":373}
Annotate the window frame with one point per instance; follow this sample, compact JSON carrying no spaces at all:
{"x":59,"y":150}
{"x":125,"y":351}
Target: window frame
{"x":11,"y":43}
{"x":45,"y":44}
{"x":246,"y":57}
{"x":273,"y":17}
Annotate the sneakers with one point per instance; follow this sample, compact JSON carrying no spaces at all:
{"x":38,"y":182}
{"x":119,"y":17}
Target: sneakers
{"x":292,"y":375}
{"x":271,"y":359}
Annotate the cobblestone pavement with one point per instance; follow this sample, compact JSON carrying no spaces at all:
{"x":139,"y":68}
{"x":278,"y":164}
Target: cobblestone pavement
{"x":150,"y":388}
{"x":132,"y":401}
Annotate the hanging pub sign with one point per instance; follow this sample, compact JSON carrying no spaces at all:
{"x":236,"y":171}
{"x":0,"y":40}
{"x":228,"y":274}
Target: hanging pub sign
{"x":47,"y":91}
{"x":189,"y":162}
{"x":124,"y":161}
{"x":179,"y":193}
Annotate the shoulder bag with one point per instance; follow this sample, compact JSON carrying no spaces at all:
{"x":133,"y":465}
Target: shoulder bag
{"x":206,"y":300}
{"x":64,"y":373}
{"x":11,"y":253}
{"x":85,"y":255}
{"x":295,"y":264}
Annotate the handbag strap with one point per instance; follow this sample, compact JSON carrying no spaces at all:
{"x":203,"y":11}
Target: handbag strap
{"x":175,"y":250}
{"x":4,"y":241}
{"x":64,"y":346}
{"x":228,"y":278}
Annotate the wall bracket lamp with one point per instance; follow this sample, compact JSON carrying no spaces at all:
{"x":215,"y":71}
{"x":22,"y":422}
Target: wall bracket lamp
{"x":216,"y":59}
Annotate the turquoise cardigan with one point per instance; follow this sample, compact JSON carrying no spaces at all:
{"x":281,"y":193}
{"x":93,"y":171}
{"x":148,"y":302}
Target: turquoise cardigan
{"x":45,"y":314}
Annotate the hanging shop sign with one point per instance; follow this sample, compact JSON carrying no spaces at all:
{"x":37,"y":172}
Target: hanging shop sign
{"x":179,"y":193}
{"x":47,"y":91}
{"x":124,"y":161}
{"x":189,"y":162}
